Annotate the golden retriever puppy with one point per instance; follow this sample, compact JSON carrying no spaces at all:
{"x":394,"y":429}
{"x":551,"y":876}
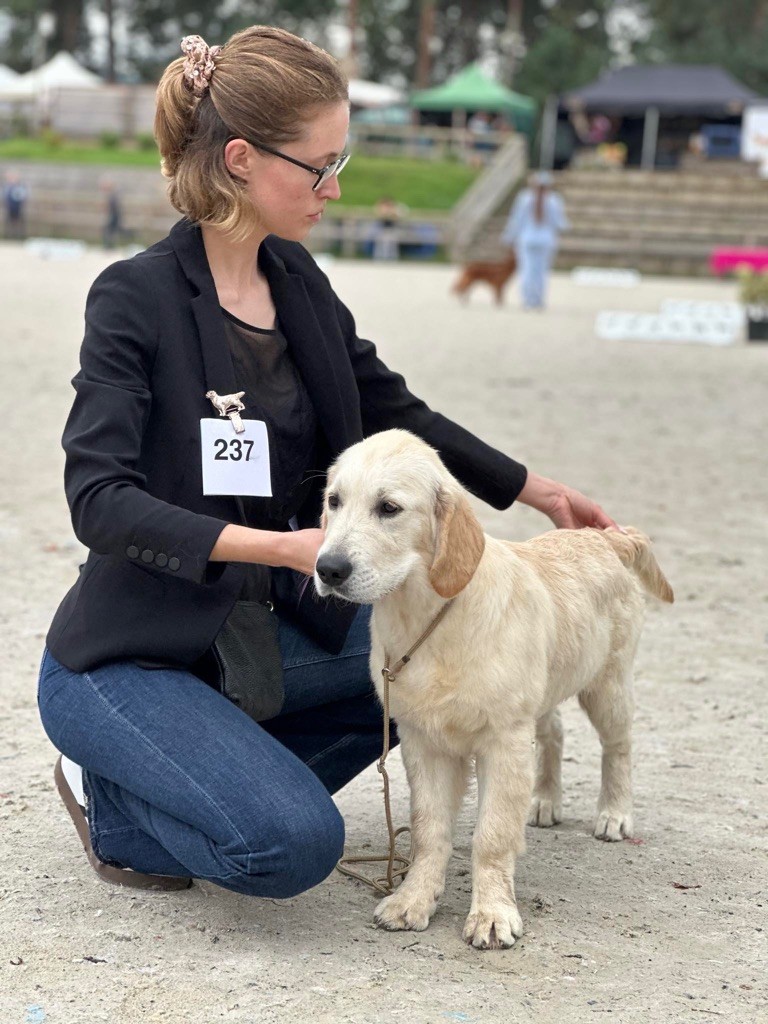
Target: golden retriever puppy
{"x":530,"y":625}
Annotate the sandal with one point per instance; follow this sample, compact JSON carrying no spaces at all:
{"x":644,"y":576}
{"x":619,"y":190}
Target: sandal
{"x":108,"y":872}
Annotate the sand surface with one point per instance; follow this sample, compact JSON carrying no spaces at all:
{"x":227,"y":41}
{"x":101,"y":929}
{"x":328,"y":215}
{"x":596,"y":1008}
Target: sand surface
{"x":672,"y":438}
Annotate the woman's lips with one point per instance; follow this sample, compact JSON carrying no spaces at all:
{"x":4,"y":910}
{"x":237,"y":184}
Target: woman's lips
{"x":316,"y":216}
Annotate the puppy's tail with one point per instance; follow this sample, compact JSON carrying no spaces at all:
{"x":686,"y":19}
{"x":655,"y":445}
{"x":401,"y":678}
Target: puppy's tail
{"x":634,"y":551}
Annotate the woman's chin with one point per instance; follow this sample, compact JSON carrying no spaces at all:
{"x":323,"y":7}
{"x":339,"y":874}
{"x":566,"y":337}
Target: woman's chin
{"x":296,"y":233}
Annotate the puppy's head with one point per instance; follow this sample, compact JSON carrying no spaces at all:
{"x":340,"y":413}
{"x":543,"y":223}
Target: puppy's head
{"x":391,"y":510}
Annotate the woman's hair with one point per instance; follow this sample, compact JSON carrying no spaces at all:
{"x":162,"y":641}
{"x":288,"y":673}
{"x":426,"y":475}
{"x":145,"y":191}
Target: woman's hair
{"x":265,"y":85}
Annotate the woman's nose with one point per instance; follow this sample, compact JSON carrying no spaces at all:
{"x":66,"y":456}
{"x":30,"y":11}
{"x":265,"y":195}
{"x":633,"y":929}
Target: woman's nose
{"x":330,"y":188}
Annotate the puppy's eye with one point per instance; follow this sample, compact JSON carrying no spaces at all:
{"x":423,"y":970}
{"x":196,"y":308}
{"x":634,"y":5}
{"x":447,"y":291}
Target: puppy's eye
{"x":333,"y":501}
{"x":389,"y":508}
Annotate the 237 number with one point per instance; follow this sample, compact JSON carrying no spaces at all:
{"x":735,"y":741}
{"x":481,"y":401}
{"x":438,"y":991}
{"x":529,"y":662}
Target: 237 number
{"x":232,"y":451}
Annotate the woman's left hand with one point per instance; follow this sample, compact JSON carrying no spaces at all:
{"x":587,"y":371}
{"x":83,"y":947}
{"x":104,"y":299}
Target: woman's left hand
{"x":568,"y":508}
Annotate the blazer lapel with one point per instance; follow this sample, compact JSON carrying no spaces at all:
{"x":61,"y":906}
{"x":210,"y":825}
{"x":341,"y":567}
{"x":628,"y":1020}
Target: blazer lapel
{"x":311,"y":352}
{"x":187,"y":241}
{"x":308,"y":345}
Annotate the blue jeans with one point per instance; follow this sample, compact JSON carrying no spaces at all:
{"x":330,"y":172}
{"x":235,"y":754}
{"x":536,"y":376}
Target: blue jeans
{"x":534,"y":262}
{"x":180,"y":782}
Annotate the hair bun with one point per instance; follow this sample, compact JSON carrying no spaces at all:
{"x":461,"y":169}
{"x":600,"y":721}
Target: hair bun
{"x":199,"y":64}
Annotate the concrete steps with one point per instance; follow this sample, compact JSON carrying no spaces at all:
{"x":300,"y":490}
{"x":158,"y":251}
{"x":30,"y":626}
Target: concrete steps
{"x":656,"y":222}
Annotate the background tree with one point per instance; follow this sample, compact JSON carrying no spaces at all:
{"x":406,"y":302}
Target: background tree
{"x":733,"y":34}
{"x":158,"y":25}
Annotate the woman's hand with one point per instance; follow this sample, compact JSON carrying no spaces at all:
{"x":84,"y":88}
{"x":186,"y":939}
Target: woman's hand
{"x":301,"y":549}
{"x":568,"y":508}
{"x":295,"y":549}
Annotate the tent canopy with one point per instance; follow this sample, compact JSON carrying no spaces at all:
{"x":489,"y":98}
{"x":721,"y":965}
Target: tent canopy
{"x":61,"y":72}
{"x":372,"y":94}
{"x":7,"y":75}
{"x":471,"y":89}
{"x":694,"y":89}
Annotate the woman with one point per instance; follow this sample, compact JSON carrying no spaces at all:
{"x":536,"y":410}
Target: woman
{"x":165,"y":777}
{"x":535,"y":222}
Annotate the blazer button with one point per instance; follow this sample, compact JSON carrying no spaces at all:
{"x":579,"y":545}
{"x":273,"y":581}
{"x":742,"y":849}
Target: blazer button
{"x":132,"y":551}
{"x":161,"y":560}
{"x":147,"y":555}
{"x":173,"y":564}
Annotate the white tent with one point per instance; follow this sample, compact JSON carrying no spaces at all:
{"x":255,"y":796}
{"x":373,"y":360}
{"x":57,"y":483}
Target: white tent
{"x":61,"y":72}
{"x":7,"y":75}
{"x":373,"y":94}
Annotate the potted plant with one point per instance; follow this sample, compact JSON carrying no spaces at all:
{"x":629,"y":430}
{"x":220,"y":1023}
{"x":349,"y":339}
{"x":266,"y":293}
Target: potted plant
{"x":754,"y":296}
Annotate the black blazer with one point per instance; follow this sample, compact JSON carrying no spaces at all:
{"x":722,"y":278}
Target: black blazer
{"x":154,"y":344}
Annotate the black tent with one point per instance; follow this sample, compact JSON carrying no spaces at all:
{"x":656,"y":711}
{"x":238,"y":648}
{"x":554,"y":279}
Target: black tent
{"x":700,"y":89}
{"x":684,"y":95}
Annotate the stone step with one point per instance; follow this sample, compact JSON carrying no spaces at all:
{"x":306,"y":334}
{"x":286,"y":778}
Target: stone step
{"x":627,"y":182}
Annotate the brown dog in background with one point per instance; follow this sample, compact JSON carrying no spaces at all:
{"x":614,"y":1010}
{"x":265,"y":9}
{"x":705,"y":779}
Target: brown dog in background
{"x":496,"y":273}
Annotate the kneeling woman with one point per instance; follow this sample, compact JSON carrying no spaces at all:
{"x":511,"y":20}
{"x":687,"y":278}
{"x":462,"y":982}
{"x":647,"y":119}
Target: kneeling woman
{"x":206,"y":702}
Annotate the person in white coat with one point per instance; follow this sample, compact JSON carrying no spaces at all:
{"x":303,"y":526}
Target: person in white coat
{"x":533,"y":229}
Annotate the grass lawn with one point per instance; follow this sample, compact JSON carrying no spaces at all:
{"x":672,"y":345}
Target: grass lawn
{"x":420,"y":184}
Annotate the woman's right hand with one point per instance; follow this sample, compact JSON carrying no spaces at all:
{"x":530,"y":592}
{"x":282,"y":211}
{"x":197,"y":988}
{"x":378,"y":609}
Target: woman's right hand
{"x":301,"y":549}
{"x":295,"y":549}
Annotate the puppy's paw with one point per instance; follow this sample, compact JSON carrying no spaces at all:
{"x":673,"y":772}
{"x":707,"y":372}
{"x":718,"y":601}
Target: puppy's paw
{"x":544,"y":812}
{"x":493,"y":927}
{"x":404,"y":911}
{"x":613,"y":826}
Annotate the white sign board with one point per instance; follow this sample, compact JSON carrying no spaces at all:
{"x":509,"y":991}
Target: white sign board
{"x":754,"y":134}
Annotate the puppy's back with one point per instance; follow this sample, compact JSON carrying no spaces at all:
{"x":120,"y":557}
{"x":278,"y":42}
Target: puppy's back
{"x":588,"y":557}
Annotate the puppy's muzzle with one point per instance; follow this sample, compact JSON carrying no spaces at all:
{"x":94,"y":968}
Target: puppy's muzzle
{"x":333,"y":570}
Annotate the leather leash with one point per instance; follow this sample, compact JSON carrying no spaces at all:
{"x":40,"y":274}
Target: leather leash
{"x":385,"y":884}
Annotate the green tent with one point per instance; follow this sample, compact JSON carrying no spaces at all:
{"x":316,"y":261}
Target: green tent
{"x":472,"y":90}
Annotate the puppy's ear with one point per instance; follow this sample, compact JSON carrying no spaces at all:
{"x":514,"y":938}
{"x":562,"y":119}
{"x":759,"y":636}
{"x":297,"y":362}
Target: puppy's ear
{"x":460,"y":544}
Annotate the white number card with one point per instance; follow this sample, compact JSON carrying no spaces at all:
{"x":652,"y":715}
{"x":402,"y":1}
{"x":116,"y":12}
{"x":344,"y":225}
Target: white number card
{"x":235,"y":463}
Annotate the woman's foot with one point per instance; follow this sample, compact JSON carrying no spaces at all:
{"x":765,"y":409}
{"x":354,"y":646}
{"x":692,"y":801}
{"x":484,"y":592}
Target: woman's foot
{"x":69,"y":782}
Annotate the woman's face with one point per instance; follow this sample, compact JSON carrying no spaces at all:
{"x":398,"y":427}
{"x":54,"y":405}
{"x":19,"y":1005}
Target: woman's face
{"x":281,"y":191}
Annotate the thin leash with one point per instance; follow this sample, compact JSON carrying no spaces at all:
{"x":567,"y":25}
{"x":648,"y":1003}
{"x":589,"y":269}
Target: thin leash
{"x":385,"y":884}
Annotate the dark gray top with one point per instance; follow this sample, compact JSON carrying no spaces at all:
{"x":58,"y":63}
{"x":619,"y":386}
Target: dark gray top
{"x":274,"y":393}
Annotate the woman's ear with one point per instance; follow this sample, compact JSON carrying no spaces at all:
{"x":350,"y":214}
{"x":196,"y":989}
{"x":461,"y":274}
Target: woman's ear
{"x":238,"y":156}
{"x":460,"y":544}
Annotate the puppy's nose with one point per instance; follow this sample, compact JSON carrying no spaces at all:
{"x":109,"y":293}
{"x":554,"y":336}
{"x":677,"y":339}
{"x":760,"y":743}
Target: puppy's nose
{"x":333,"y":569}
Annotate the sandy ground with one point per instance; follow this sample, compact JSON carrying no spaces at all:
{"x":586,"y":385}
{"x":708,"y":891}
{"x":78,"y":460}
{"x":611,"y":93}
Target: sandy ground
{"x":670,"y":928}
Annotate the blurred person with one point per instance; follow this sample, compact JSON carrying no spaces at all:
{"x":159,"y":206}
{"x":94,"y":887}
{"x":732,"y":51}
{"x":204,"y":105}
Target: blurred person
{"x":206,"y":702}
{"x":480,"y":127}
{"x":533,"y":228}
{"x":114,"y":230}
{"x":386,"y":238}
{"x":15,"y":195}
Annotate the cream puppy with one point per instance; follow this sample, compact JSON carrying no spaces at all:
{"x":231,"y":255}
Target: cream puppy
{"x":530,"y":625}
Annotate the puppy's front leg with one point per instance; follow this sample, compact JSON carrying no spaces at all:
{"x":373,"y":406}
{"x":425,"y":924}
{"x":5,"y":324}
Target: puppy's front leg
{"x":437,"y":782}
{"x":504,"y":784}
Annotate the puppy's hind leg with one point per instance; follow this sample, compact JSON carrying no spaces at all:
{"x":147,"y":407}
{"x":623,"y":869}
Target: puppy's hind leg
{"x":609,"y":705}
{"x":547,"y":802}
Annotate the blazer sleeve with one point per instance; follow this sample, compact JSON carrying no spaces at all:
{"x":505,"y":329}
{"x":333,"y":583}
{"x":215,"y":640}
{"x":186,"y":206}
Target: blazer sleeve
{"x":386,"y":402}
{"x":112,"y":513}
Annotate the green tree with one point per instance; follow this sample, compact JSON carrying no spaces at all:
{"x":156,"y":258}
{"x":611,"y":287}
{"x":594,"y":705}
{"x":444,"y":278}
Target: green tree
{"x":159,"y":25}
{"x":567,"y":45}
{"x":23,"y":48}
{"x":733,"y":34}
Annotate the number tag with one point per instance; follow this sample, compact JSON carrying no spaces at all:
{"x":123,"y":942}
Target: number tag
{"x":235,"y":463}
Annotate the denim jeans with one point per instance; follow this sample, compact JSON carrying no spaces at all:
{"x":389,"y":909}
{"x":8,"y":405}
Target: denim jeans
{"x":179,"y":781}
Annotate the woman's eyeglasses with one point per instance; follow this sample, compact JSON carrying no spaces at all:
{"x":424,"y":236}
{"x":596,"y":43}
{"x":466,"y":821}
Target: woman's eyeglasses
{"x":323,"y":173}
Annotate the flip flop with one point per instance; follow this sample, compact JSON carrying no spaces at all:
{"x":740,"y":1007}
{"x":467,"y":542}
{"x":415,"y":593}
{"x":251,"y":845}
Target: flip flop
{"x":108,"y":872}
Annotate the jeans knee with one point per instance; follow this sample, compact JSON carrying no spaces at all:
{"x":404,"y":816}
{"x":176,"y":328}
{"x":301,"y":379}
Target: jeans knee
{"x":298,"y":855}
{"x":309,"y":856}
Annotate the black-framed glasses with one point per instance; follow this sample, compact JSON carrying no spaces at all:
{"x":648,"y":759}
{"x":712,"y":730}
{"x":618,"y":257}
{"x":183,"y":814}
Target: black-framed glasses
{"x":323,"y":173}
